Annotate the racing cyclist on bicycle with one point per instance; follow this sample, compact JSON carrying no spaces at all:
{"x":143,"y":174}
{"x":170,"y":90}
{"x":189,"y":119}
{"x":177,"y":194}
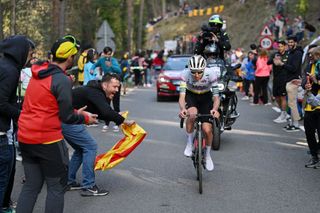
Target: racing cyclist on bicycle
{"x":196,"y":97}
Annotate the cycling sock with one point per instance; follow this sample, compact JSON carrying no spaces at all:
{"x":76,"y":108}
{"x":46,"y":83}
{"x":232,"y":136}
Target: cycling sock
{"x":189,"y":136}
{"x":208,"y":150}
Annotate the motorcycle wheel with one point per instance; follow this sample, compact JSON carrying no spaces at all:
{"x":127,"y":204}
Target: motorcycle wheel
{"x":216,"y":135}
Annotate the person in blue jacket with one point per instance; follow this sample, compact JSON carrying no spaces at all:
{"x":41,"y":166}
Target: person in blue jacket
{"x":109,"y":64}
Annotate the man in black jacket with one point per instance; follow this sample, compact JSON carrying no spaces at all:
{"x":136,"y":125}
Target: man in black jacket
{"x":293,"y":68}
{"x":15,"y":52}
{"x":213,"y":34}
{"x":96,"y":95}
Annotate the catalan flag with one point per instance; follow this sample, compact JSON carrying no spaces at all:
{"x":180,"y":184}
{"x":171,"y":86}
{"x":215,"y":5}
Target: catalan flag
{"x":134,"y":135}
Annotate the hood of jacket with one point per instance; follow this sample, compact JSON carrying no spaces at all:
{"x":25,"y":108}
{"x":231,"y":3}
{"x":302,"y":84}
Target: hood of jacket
{"x":16,"y":48}
{"x":44,"y":69}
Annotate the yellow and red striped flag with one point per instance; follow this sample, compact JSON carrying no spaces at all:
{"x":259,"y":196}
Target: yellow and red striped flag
{"x":134,"y":135}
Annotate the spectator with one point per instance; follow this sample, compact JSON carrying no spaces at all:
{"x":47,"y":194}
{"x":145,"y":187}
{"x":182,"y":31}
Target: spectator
{"x":125,"y":71}
{"x":293,"y":69}
{"x":248,"y":68}
{"x":96,"y":95}
{"x":44,"y":153}
{"x":109,"y":64}
{"x":262,"y":75}
{"x":81,"y":62}
{"x":16,"y":51}
{"x":279,"y":81}
{"x":89,"y":74}
{"x":312,"y":112}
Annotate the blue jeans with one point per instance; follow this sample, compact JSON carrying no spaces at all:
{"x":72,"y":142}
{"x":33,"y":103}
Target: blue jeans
{"x":6,"y":163}
{"x":85,"y":150}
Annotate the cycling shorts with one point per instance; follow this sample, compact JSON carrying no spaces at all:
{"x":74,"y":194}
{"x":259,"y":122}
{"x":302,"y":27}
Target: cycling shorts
{"x":203,"y":102}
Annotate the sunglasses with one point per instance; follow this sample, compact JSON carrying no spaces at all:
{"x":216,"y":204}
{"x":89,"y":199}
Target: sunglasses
{"x":73,"y":40}
{"x":199,"y":72}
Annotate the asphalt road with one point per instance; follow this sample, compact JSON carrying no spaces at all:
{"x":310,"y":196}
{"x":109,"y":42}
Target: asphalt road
{"x":259,"y":168}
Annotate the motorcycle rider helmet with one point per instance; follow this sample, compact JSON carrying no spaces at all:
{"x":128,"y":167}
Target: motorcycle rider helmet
{"x":215,"y":22}
{"x":197,"y":62}
{"x":211,"y":50}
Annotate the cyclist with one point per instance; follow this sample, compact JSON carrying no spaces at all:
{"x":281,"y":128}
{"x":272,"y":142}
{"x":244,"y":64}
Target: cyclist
{"x":196,"y":97}
{"x":213,"y":33}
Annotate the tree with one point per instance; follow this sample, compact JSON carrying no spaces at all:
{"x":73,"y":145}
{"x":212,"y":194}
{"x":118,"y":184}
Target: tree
{"x":140,"y":26}
{"x":130,"y":24}
{"x":13,"y":18}
{"x":1,"y":21}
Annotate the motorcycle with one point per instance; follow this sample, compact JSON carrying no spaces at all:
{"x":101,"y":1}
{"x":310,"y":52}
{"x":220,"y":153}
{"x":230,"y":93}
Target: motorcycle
{"x":228,"y":100}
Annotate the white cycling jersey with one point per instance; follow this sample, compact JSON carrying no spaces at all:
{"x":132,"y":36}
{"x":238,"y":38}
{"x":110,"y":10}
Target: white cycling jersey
{"x":205,"y":84}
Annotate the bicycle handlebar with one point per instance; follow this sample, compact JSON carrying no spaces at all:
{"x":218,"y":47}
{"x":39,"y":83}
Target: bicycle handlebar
{"x":197,"y":116}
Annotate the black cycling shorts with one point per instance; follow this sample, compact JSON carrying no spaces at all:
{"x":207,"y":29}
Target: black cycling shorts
{"x":203,"y":102}
{"x":279,"y":88}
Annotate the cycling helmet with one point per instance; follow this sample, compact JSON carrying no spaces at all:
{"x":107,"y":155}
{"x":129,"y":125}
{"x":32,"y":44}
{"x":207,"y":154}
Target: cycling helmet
{"x":215,"y":20}
{"x":211,"y":49}
{"x":65,"y":47}
{"x":197,"y":62}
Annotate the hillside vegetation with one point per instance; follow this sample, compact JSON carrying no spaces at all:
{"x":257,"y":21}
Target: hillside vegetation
{"x":244,"y":21}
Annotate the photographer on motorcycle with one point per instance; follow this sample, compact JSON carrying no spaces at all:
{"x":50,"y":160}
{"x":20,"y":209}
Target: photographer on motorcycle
{"x":213,"y":33}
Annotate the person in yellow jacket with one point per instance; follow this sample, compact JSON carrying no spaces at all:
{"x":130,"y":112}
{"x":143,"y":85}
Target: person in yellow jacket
{"x":81,"y":62}
{"x":312,"y":113}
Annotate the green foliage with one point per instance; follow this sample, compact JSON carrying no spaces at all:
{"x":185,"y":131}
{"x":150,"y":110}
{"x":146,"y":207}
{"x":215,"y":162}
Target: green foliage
{"x":303,"y":7}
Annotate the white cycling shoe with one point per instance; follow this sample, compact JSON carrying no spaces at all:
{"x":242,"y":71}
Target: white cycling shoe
{"x":209,"y":163}
{"x":188,"y":150}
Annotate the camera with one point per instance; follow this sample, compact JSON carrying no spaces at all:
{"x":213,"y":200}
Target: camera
{"x":108,"y":58}
{"x":207,"y":32}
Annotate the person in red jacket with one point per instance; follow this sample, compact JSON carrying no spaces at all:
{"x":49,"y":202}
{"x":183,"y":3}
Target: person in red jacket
{"x":47,"y":103}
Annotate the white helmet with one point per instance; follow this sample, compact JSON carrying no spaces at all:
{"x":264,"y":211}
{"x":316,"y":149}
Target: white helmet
{"x":197,"y":62}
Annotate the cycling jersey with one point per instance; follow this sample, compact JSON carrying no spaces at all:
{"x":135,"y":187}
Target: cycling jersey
{"x":204,"y":85}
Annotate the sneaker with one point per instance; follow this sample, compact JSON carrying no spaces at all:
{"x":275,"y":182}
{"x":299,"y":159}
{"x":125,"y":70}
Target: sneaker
{"x":105,"y":128}
{"x":8,"y":210}
{"x":94,"y":191}
{"x":92,"y":125}
{"x":73,"y":186}
{"x":292,"y":129}
{"x":245,"y":98}
{"x":253,"y":104}
{"x":19,"y":157}
{"x":209,"y":163}
{"x":268,"y":104}
{"x":280,"y":119}
{"x":317,"y":166}
{"x":312,"y":162}
{"x":188,"y":150}
{"x":116,"y":128}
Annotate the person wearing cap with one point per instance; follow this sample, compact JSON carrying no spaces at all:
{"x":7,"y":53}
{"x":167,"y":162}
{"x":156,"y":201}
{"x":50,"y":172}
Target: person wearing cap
{"x":48,"y":103}
{"x":15,"y":52}
{"x":279,"y":81}
{"x":213,"y":33}
{"x":293,"y":69}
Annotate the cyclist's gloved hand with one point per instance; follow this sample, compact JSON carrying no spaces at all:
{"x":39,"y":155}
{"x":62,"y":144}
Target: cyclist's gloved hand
{"x":215,"y":113}
{"x":183,"y":113}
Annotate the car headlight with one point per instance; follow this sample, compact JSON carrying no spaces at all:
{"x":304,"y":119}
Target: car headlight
{"x":163,"y":80}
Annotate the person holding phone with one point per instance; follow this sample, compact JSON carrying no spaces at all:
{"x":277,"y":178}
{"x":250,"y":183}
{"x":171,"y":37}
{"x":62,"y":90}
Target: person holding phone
{"x":109,"y":64}
{"x":279,"y":80}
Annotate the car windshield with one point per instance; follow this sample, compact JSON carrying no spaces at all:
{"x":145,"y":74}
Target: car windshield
{"x":178,"y":63}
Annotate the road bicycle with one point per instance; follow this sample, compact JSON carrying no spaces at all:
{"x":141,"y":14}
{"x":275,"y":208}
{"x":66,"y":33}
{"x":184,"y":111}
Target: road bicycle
{"x":199,"y":145}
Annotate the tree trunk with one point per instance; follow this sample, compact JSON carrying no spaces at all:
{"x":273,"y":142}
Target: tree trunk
{"x":55,"y":20}
{"x":13,"y":18}
{"x":163,"y":8}
{"x":1,"y":22}
{"x":130,"y":23}
{"x":140,"y":27}
{"x":61,"y":17}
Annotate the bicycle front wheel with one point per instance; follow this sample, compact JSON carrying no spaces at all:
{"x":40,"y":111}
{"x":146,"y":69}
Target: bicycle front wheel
{"x":199,"y":161}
